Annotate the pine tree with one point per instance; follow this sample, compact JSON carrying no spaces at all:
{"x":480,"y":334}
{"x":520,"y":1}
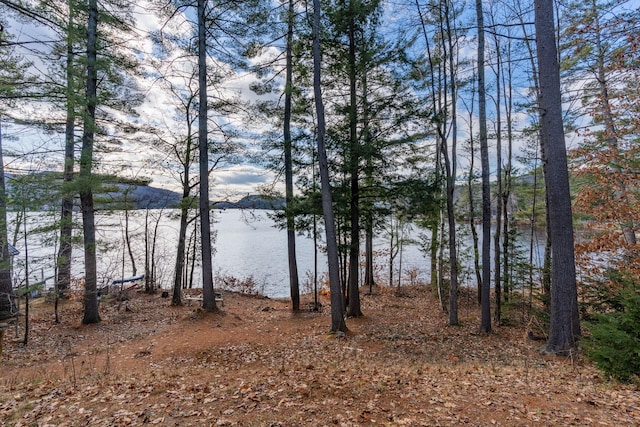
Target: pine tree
{"x":12,"y":80}
{"x":564,"y":331}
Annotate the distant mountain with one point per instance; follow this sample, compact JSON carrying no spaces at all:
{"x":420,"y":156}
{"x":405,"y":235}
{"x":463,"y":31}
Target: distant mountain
{"x":121,"y":193}
{"x":253,"y":201}
{"x":147,"y":197}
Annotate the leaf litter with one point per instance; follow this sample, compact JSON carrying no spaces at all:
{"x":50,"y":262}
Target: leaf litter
{"x":154,"y":364}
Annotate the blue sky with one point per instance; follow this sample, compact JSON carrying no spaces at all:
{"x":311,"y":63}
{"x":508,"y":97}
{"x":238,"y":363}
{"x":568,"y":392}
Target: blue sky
{"x":234,"y":179}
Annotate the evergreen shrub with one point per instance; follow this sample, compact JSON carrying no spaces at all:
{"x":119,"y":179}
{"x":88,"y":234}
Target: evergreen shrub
{"x":614,"y":343}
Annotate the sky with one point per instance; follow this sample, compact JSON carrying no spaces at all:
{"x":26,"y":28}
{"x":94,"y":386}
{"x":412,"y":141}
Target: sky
{"x":28,"y":149}
{"x":136,"y":158}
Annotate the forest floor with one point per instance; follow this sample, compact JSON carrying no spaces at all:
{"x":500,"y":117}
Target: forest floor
{"x":257,"y":364}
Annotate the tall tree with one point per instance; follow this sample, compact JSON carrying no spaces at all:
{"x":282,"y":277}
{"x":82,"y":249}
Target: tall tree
{"x":471,"y":183}
{"x":370,"y":106}
{"x":535,"y":79}
{"x":16,"y":86}
{"x":448,"y":33}
{"x":91,"y":314}
{"x":208,"y":295}
{"x":485,"y":299}
{"x":564,"y":330}
{"x":183,"y":147}
{"x":599,"y":45}
{"x":440,"y":124}
{"x":63,"y":278}
{"x":221,"y":30}
{"x":294,"y":285}
{"x":497,"y":263}
{"x":7,"y":297}
{"x":337,"y":302}
{"x":508,"y":81}
{"x":353,"y":308}
{"x":11,"y":72}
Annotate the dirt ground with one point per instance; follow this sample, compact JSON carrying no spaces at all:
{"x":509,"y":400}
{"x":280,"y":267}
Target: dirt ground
{"x":257,"y":364}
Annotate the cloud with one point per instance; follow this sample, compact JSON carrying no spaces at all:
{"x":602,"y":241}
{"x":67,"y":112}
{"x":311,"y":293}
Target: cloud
{"x":240,"y":180}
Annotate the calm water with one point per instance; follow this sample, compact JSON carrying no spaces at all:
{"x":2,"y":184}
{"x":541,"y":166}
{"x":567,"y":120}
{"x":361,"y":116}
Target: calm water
{"x":246,"y":245}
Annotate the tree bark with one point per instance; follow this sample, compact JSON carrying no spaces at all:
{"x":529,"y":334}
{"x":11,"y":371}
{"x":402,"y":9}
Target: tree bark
{"x":353,"y":307}
{"x":7,"y":297}
{"x":180,"y":254}
{"x":186,"y":203}
{"x":91,"y":314}
{"x":506,"y":193}
{"x":564,"y":330}
{"x":497,"y":281}
{"x":294,"y":284}
{"x":208,"y":294}
{"x":66,"y":215}
{"x":450,"y":169}
{"x":337,"y":307}
{"x":127,"y":237}
{"x":472,"y":209}
{"x":485,"y":298}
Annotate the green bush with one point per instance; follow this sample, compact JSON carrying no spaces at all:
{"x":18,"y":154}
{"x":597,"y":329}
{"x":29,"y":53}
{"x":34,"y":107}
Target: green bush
{"x":614,"y":344}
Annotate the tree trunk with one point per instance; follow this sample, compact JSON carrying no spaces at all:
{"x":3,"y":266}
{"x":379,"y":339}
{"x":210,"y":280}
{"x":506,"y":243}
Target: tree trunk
{"x":27,"y":285}
{"x":453,"y":257}
{"x":546,"y":269}
{"x":369,"y":279}
{"x":471,"y":180}
{"x":179,"y":277}
{"x":147,"y":257}
{"x":472,"y":220}
{"x":154,"y":245}
{"x":354,"y":309}
{"x":506,"y":193}
{"x":208,"y":294}
{"x":435,"y":279}
{"x":337,"y":307}
{"x":450,"y":169}
{"x":564,"y":330}
{"x":353,"y":306}
{"x":127,"y":237}
{"x":63,"y":278}
{"x":485,"y":323}
{"x":180,"y":252}
{"x":294,"y":284}
{"x":497,"y":281}
{"x":91,"y":314}
{"x":7,"y":297}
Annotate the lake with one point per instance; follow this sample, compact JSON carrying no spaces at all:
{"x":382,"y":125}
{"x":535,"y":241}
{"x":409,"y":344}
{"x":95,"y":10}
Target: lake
{"x":247,"y":245}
